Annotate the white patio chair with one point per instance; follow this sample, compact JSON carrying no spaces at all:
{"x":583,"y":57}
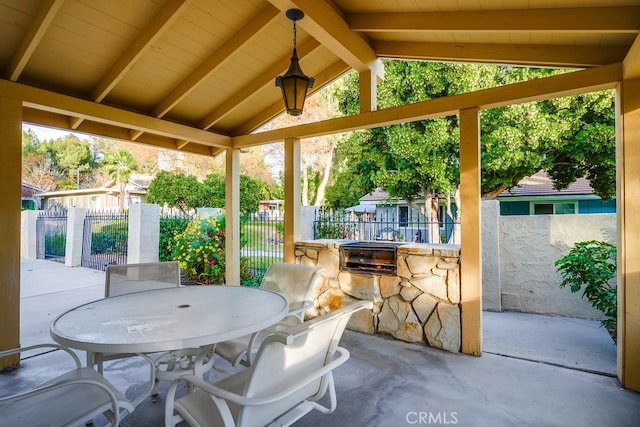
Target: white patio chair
{"x":127,"y":278}
{"x":294,"y":282}
{"x":291,"y":372}
{"x":73,"y":398}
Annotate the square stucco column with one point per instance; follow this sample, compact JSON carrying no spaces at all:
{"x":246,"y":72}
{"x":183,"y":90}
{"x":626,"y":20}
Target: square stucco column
{"x":28,"y":239}
{"x":491,"y":299}
{"x":75,"y":230}
{"x":144,"y":233}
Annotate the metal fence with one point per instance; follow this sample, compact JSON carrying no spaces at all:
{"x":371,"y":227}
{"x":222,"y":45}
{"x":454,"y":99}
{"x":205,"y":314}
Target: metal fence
{"x":51,"y":232}
{"x":381,"y":225}
{"x":262,"y":242}
{"x":105,"y":239}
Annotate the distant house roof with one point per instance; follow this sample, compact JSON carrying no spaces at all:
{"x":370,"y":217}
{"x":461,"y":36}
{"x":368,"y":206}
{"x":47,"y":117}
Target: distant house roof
{"x":536,"y":185}
{"x":137,"y":184}
{"x":28,"y":190}
{"x":376,"y":196}
{"x":541,"y":185}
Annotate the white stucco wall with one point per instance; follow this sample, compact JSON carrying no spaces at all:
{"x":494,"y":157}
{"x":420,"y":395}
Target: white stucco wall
{"x":528,"y":248}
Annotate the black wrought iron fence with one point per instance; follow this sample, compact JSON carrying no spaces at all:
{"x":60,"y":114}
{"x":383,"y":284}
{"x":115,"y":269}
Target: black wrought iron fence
{"x":383,"y":225}
{"x":105,"y":239}
{"x":262,"y":242}
{"x":51,"y":234}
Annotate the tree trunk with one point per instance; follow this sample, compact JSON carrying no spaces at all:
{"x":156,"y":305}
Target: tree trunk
{"x":305,"y":185}
{"x":431,"y":212}
{"x":323,"y":183}
{"x":121,"y":198}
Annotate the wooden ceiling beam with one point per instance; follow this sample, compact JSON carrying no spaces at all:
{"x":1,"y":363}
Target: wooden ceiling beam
{"x":567,"y":84}
{"x":631,"y":63}
{"x":152,"y":32}
{"x":529,"y":55}
{"x":624,"y":19}
{"x":81,"y":108}
{"x":32,"y":38}
{"x":325,"y":24}
{"x":208,"y":67}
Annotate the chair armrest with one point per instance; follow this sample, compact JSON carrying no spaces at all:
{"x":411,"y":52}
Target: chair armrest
{"x":343,"y":356}
{"x":297,"y":308}
{"x":74,"y":356}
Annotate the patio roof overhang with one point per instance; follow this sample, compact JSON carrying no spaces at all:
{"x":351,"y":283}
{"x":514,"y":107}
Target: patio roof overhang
{"x":198,"y":76}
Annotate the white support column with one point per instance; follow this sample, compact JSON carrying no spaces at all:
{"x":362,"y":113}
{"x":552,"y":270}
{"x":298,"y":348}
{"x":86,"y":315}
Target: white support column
{"x":470,"y":243}
{"x":143,"y":233}
{"x":28,"y":238}
{"x":75,"y":231}
{"x":291,"y":198}
{"x":11,"y":177}
{"x":232,"y":217}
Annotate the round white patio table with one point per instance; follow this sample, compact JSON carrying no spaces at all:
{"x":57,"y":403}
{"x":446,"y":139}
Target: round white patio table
{"x":168,"y":319}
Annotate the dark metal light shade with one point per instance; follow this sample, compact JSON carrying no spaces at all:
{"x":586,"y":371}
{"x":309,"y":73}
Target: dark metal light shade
{"x":294,"y":85}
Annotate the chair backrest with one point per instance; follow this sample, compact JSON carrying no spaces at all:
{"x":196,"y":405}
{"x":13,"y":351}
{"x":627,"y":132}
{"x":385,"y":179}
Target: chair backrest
{"x":127,"y":278}
{"x":293,"y":281}
{"x":286,"y":358}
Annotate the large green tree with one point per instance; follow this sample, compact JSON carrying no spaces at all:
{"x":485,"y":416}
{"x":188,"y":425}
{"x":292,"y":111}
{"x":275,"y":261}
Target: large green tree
{"x":251,"y":191}
{"x":177,"y":190}
{"x":568,"y":137}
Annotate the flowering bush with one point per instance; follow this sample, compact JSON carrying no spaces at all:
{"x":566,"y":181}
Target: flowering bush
{"x":200,"y":249}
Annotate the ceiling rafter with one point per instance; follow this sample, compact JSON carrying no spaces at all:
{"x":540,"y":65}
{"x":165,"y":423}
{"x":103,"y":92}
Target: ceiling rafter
{"x":541,"y":55}
{"x":267,"y":77}
{"x":327,"y":26}
{"x":322,"y":79}
{"x":248,"y":32}
{"x":567,"y":84}
{"x":152,"y":32}
{"x":583,"y":19}
{"x":32,"y":38}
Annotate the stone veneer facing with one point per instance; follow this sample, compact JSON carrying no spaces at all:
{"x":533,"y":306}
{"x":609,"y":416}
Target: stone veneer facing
{"x":420,"y":304}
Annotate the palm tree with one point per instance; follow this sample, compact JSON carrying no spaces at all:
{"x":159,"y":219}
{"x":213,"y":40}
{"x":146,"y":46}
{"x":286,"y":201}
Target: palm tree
{"x":120,"y":165}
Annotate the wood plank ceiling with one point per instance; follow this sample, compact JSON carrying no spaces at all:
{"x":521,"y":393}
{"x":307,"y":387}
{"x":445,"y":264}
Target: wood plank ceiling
{"x":191,"y":74}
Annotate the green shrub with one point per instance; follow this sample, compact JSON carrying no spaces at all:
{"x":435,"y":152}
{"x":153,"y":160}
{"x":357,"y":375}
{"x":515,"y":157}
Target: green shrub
{"x":55,"y":244}
{"x":111,"y":238}
{"x":200,"y":249}
{"x":592,"y":264}
{"x":169,"y":227}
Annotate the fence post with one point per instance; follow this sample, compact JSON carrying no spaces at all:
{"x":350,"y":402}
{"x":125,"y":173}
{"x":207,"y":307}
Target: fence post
{"x":144,"y":233}
{"x":491,"y":299}
{"x":29,"y":235}
{"x":307,"y":218}
{"x":75,"y":230}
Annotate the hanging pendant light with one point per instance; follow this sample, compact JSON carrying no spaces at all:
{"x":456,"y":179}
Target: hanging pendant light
{"x":294,"y":83}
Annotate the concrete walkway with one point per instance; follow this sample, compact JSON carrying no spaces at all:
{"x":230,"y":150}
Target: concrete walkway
{"x":536,"y":370}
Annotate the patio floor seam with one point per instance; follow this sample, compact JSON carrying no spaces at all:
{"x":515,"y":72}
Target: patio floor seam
{"x":558,"y":365}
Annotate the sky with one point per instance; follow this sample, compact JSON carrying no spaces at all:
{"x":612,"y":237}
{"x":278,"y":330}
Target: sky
{"x":44,"y":133}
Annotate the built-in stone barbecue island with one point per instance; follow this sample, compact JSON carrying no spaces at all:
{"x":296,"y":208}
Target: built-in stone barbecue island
{"x":415,"y":288}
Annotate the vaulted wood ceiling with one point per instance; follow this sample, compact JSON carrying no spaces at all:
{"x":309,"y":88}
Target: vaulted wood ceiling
{"x":194,"y":74}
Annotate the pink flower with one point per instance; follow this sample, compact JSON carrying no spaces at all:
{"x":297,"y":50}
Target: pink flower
{"x":212,"y":262}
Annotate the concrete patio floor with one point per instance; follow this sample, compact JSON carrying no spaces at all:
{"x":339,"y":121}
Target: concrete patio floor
{"x":535,"y":370}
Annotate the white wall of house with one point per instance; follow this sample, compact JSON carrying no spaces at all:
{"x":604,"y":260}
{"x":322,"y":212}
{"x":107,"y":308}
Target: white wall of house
{"x":525,"y":278}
